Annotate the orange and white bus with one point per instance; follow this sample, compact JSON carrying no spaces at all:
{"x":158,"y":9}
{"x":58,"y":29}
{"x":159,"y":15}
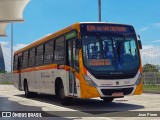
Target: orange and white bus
{"x":84,"y":60}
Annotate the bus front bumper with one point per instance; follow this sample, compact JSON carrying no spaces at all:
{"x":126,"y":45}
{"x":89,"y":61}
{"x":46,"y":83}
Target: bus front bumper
{"x":91,"y":92}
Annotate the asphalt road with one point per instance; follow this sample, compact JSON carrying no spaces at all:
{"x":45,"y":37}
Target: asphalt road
{"x":13,"y":100}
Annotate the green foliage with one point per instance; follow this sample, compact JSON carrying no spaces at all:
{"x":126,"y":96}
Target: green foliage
{"x":150,"y":68}
{"x":2,"y":71}
{"x":155,"y":88}
{"x":6,"y":83}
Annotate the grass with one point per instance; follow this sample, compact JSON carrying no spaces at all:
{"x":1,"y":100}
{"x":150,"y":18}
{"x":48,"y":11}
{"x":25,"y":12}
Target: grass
{"x":155,"y":88}
{"x":6,"y":83}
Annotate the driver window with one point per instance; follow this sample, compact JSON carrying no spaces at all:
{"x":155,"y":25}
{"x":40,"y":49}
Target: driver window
{"x":94,"y":50}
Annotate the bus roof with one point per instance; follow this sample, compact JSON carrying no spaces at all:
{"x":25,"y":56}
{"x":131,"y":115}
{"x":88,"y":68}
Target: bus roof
{"x":60,"y":32}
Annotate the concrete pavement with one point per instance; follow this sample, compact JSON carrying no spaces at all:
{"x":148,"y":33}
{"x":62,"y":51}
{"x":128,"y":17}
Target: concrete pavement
{"x":46,"y":103}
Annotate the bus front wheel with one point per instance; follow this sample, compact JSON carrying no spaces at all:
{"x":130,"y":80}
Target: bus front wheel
{"x":107,"y":99}
{"x":64,"y":100}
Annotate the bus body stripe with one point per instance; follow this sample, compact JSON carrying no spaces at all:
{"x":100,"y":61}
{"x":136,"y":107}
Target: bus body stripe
{"x":53,"y":66}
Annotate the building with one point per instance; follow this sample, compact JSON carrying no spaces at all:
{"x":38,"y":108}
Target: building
{"x":2,"y":65}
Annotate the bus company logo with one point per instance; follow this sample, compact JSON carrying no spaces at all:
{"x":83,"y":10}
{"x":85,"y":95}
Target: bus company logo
{"x":117,"y":83}
{"x":6,"y":114}
{"x":21,"y":114}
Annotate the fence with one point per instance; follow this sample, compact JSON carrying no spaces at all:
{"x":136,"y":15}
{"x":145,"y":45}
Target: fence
{"x":151,"y":55}
{"x":5,"y":78}
{"x":151,"y":81}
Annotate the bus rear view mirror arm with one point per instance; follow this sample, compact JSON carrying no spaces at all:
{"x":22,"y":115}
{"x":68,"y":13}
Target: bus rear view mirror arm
{"x":139,"y":41}
{"x":139,"y":44}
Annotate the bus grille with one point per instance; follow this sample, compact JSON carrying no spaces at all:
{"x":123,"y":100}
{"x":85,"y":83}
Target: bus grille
{"x":125,"y":91}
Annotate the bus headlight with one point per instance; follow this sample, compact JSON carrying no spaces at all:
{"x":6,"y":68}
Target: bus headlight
{"x":138,"y":80}
{"x":89,"y":81}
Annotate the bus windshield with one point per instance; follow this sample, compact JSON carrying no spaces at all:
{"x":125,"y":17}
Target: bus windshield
{"x":110,"y":53}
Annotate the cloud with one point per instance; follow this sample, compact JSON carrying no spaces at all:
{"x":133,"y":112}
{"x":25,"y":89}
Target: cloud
{"x":157,"y":25}
{"x":156,"y":41}
{"x":143,"y":29}
{"x":147,"y":46}
{"x":152,"y":41}
{"x":19,"y":46}
{"x":149,"y":26}
{"x":150,"y":54}
{"x":4,"y":43}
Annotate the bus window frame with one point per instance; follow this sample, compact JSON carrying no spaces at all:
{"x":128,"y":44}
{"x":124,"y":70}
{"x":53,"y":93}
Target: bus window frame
{"x":26,"y":66}
{"x":33,"y":57}
{"x":61,"y":62}
{"x":15,"y":66}
{"x":41,"y":64}
{"x":52,"y":60}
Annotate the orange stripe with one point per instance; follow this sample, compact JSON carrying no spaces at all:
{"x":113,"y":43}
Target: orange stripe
{"x":16,"y":71}
{"x":53,"y":66}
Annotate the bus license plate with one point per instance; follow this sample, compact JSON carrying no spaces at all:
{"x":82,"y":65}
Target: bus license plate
{"x":118,"y":94}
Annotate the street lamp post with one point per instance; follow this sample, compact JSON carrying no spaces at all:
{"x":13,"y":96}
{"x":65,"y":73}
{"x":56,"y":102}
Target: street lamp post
{"x":99,"y":10}
{"x":12,"y":52}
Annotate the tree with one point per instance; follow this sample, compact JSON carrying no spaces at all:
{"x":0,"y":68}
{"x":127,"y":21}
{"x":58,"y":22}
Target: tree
{"x":150,"y":68}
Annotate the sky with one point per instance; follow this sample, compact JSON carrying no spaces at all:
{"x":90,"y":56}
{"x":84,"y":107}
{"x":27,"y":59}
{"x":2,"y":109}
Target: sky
{"x":43,"y":17}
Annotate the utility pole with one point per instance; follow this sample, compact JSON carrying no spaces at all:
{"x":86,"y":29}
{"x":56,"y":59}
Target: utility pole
{"x":12,"y":52}
{"x":99,"y":10}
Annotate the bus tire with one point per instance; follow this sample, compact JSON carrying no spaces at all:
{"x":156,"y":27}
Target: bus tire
{"x":28,"y":94}
{"x":26,"y":90}
{"x":64,"y":100}
{"x":108,"y":99}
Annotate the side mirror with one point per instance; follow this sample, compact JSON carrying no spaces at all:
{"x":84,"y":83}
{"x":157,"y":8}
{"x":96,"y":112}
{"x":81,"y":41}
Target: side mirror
{"x":139,"y":41}
{"x":139,"y":44}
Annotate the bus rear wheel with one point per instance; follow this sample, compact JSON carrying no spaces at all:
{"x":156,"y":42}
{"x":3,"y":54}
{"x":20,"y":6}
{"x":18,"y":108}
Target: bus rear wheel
{"x":28,"y":94}
{"x":108,"y":99}
{"x":64,"y":100}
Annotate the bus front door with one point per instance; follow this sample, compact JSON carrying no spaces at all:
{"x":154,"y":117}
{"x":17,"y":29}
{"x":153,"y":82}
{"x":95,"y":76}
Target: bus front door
{"x":72,"y":72}
{"x":19,"y":69}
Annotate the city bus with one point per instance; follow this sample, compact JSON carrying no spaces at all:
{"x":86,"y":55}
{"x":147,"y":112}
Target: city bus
{"x":85,"y":60}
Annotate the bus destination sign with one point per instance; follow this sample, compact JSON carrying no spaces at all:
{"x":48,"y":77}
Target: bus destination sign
{"x":94,"y":28}
{"x":103,"y":28}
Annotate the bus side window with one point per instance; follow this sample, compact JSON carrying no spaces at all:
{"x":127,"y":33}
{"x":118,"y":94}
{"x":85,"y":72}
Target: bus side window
{"x":31,"y":59}
{"x":39,"y":55}
{"x":48,"y":52}
{"x":25,"y":60}
{"x":15,"y":66}
{"x":59,"y":51}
